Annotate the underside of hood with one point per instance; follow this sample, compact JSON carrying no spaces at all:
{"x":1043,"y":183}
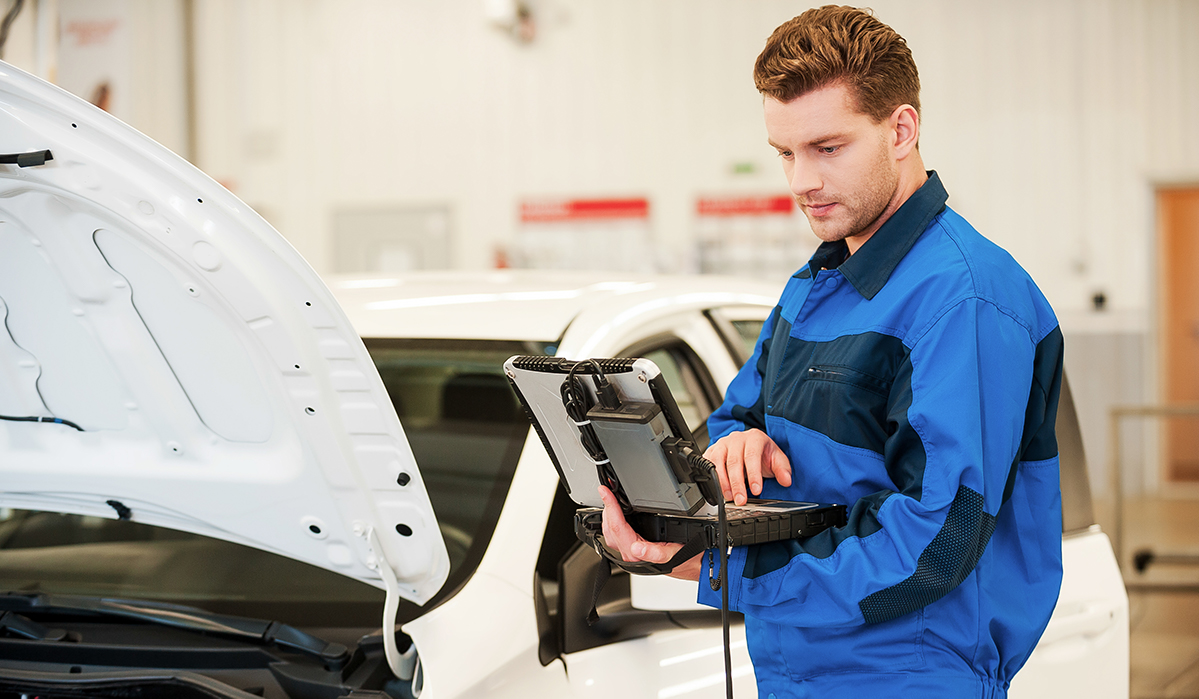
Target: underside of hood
{"x":217,"y":386}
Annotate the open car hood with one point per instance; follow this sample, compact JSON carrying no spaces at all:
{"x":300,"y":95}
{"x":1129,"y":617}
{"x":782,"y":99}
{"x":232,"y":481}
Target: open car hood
{"x":219,"y":387}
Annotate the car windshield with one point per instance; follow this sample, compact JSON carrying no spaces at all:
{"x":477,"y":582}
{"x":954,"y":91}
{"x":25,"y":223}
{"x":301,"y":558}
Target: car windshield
{"x":466,"y":429}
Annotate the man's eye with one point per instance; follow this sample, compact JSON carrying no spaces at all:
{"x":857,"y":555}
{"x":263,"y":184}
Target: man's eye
{"x":828,"y":150}
{"x":785,"y":154}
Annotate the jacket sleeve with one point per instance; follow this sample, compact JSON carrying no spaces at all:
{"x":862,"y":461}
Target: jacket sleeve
{"x":956,"y":419}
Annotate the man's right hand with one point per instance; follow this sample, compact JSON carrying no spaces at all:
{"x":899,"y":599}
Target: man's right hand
{"x":633,"y":547}
{"x":743,"y":459}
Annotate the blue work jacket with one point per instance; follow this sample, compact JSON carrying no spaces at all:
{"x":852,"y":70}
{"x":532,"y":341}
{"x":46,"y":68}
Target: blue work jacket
{"x":915,"y":381}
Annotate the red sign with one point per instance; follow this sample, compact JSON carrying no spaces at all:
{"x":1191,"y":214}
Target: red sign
{"x":744,"y":206}
{"x":583,"y":209}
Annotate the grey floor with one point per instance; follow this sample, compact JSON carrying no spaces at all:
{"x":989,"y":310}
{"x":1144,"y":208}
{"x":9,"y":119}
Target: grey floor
{"x":1164,"y":598}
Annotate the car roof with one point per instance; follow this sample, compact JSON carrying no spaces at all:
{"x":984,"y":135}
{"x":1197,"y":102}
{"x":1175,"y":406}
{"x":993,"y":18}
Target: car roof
{"x":531,"y":305}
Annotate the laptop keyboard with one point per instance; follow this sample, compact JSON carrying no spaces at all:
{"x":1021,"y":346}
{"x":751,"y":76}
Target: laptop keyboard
{"x":748,"y":511}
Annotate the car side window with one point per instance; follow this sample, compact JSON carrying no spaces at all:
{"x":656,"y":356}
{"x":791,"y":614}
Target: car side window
{"x":690,"y":381}
{"x":747,"y":333}
{"x":1078,"y":514}
{"x":739,"y":328}
{"x":680,"y":377}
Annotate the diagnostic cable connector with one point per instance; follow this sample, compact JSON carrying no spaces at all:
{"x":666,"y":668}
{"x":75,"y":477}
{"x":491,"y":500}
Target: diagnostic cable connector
{"x":605,"y":391}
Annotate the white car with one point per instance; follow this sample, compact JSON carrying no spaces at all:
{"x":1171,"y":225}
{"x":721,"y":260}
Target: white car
{"x":211,"y":487}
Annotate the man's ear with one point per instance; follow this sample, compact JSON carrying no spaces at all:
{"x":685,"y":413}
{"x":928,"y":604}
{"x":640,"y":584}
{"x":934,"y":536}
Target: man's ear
{"x":905,"y":124}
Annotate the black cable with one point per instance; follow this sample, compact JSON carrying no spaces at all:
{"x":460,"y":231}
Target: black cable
{"x":704,"y":473}
{"x":55,"y":420}
{"x":722,"y":538}
{"x":577,"y":402}
{"x":6,"y":24}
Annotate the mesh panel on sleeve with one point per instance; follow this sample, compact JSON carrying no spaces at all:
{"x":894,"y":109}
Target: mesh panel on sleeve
{"x":942,"y":566}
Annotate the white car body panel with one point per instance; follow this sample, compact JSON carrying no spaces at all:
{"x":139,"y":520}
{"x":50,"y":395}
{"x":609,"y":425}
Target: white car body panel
{"x":458,"y":658}
{"x":665,"y":665}
{"x":1084,"y":650}
{"x":600,"y":312}
{"x":499,"y":304}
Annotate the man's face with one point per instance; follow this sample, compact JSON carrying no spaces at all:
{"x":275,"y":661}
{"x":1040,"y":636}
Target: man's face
{"x":841,"y":166}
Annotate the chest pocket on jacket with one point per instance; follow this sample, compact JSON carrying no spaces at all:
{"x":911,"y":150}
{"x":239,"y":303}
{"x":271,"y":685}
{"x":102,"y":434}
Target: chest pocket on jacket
{"x":849,"y":375}
{"x":841,"y":388}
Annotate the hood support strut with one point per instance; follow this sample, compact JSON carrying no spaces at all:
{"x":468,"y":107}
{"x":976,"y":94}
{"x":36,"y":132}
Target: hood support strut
{"x":406,"y":665}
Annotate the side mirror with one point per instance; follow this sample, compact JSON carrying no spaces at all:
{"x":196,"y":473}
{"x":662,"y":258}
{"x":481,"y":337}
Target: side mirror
{"x":669,"y":604}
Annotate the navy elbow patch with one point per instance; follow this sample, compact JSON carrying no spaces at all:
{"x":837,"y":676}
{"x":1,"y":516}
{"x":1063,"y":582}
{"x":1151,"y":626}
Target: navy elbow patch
{"x":942,"y":566}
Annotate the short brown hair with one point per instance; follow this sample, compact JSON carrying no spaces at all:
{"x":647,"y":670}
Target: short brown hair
{"x":835,"y":44}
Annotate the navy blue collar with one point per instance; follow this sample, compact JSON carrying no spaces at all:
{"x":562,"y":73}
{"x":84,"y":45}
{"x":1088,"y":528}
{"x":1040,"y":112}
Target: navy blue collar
{"x":871,"y":266}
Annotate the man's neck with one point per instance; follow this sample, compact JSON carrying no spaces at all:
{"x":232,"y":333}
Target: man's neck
{"x":912,"y":177}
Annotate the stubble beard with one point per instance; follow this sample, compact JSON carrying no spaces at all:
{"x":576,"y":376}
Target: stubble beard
{"x":861,"y":209}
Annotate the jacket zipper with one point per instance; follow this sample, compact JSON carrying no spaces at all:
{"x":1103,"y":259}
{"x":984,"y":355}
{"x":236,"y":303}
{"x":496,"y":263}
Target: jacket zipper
{"x":814,"y":373}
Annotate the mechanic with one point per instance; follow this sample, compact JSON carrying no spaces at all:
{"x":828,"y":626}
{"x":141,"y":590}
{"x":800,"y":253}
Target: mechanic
{"x":911,"y":370}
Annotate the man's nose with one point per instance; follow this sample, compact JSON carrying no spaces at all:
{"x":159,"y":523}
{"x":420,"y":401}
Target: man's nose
{"x":804,"y":179}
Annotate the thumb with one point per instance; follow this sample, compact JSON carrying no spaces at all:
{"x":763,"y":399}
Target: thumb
{"x":781,"y":466}
{"x":654,"y":553}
